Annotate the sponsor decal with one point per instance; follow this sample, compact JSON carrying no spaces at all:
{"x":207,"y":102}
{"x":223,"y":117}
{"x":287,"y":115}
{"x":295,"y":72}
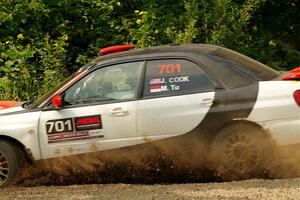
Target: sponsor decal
{"x":158,"y":88}
{"x":73,"y":136}
{"x":69,"y":129}
{"x":88,"y":123}
{"x":60,"y":136}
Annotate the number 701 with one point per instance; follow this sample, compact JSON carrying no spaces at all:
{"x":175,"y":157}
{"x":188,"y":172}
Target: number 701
{"x":170,"y":68}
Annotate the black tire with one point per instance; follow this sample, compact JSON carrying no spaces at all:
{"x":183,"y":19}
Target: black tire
{"x":11,"y":160}
{"x":242,"y":151}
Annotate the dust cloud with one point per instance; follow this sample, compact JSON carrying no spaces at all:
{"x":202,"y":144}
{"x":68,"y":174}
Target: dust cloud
{"x":158,"y":162}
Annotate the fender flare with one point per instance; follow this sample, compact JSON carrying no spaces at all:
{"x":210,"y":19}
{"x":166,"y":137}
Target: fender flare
{"x":246,"y":122}
{"x":26,"y":151}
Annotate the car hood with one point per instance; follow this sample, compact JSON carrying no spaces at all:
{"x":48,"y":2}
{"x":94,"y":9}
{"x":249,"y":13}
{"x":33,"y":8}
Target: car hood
{"x":11,"y":110}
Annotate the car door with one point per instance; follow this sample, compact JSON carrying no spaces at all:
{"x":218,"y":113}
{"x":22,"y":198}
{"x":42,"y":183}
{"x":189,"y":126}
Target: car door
{"x":98,"y":113}
{"x":177,"y":96}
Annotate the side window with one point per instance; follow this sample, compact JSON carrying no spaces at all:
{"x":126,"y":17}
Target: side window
{"x":225,"y":72}
{"x":115,"y":82}
{"x":261,"y":71}
{"x":174,"y":77}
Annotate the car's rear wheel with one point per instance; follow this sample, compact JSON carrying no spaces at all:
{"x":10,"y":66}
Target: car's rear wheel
{"x":242,"y":151}
{"x":10,"y":162}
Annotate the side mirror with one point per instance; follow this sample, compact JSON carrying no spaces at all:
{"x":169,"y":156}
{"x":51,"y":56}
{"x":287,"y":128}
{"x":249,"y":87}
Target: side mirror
{"x":56,"y":101}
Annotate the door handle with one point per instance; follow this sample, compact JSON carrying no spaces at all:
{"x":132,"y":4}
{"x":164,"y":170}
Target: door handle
{"x":119,"y":112}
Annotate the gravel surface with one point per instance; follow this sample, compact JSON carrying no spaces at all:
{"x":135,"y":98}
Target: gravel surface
{"x":249,"y":189}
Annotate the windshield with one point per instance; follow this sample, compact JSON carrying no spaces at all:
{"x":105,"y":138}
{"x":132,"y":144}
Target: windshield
{"x":34,"y":103}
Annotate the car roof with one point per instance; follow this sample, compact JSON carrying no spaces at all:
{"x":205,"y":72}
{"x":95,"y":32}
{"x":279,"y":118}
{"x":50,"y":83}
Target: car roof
{"x":192,"y":48}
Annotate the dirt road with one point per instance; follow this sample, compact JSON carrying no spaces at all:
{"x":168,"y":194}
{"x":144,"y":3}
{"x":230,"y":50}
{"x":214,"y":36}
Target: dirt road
{"x":249,"y":189}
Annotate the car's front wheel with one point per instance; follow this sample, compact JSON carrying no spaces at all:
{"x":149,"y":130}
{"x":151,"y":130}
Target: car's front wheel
{"x":242,"y":151}
{"x":10,"y":162}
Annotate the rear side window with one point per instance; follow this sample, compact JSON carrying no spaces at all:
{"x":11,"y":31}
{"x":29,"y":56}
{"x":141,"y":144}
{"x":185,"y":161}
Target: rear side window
{"x":230,"y":73}
{"x":259,"y":70}
{"x":174,"y":77}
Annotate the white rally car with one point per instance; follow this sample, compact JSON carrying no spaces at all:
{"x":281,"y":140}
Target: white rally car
{"x":187,"y":93}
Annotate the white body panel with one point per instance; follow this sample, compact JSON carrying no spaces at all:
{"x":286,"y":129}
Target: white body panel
{"x":157,"y":119}
{"x":13,"y":109}
{"x":276,"y":110}
{"x":118,"y":130}
{"x":170,"y":116}
{"x":22,"y":127}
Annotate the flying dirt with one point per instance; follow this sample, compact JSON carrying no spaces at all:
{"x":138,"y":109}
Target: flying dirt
{"x":162,"y":165}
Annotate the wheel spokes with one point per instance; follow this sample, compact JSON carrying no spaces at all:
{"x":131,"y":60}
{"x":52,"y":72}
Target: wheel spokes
{"x":3,"y":163}
{"x":4,"y":168}
{"x":241,"y":148}
{"x":2,"y":156}
{"x":3,"y":174}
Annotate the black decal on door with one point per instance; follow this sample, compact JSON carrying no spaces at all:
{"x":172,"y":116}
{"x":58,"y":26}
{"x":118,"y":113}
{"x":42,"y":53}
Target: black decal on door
{"x":59,"y":126}
{"x":88,"y":123}
{"x":79,"y":128}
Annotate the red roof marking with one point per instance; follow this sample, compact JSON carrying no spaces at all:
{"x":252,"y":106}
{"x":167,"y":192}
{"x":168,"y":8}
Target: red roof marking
{"x":118,"y":48}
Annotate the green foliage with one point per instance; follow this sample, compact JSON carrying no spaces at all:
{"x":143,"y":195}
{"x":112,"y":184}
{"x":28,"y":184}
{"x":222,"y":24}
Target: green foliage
{"x":31,"y":70}
{"x":43,"y":41}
